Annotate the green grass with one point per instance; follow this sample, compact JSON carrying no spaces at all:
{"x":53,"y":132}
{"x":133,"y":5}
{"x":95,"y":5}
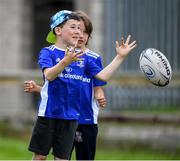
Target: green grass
{"x":136,"y":154}
{"x":12,"y":149}
{"x":16,"y":149}
{"x":14,"y":146}
{"x":175,"y":110}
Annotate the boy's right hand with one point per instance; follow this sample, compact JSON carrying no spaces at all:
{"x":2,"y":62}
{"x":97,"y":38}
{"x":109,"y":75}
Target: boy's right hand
{"x":30,"y":87}
{"x":101,"y":101}
{"x":72,"y":55}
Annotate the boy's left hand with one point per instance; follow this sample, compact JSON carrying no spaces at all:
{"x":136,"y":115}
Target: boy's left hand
{"x":125,"y":48}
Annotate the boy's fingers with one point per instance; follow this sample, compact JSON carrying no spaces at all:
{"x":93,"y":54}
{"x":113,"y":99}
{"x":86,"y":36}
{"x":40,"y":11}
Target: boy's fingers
{"x":122,"y":41}
{"x":80,"y":53}
{"x":26,"y":82}
{"x":75,"y":46}
{"x":117,"y":44}
{"x":73,"y":49}
{"x":78,"y":59}
{"x":67,"y":51}
{"x":128,"y":39}
{"x":132,"y":44}
{"x":26,"y":90}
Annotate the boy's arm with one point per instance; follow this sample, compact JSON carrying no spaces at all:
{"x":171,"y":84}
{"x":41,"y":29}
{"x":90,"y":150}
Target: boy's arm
{"x":122,"y":51}
{"x":31,"y":86}
{"x":100,"y":96}
{"x":70,"y":56}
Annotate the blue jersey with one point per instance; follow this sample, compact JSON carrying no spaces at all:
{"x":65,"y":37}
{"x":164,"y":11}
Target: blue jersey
{"x":60,"y":98}
{"x":89,"y":108}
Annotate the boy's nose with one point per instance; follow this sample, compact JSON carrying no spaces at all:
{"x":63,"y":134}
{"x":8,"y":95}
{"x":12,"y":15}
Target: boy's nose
{"x":81,"y":33}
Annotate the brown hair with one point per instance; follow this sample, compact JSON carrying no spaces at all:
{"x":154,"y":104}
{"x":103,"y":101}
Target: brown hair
{"x":87,"y":23}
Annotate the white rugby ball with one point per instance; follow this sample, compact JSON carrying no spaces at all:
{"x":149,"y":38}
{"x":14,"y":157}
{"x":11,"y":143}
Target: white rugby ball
{"x":155,"y":67}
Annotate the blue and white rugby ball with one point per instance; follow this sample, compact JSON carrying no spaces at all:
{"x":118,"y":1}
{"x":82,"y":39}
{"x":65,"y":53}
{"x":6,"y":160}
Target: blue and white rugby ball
{"x":155,"y":67}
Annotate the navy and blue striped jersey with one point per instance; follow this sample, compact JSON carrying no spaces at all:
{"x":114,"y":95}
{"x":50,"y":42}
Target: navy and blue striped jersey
{"x":89,"y":108}
{"x":60,"y":98}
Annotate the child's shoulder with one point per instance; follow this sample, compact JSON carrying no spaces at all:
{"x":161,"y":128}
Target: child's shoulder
{"x":50,"y":48}
{"x":92,"y":54}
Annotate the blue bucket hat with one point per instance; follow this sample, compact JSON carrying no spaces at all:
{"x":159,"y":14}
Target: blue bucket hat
{"x":56,"y":20}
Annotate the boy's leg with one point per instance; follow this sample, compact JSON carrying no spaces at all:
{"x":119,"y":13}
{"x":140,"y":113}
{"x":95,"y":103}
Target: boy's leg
{"x":85,"y":141}
{"x":72,"y":150}
{"x":64,"y":139}
{"x":42,"y":138}
{"x":39,"y":157}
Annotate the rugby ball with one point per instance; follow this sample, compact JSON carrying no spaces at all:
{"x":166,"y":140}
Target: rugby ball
{"x":155,"y":67}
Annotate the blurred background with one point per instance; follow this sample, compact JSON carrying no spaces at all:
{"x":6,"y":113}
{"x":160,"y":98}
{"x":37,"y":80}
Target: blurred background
{"x":141,"y":121}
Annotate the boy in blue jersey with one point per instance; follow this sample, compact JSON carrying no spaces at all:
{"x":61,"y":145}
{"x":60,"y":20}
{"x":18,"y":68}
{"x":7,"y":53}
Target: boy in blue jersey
{"x":63,"y":70}
{"x":86,"y":133}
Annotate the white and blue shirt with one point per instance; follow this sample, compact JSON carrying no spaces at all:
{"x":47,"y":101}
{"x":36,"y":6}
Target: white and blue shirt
{"x":60,"y":98}
{"x":89,"y":109}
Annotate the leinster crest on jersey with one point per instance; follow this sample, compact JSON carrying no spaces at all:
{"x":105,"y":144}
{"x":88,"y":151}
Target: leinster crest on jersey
{"x":80,"y":63}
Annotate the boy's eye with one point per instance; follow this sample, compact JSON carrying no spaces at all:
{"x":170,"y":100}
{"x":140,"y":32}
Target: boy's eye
{"x":82,"y":30}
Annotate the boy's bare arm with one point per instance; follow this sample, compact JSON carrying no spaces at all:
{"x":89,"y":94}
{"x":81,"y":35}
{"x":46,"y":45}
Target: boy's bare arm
{"x":70,"y":56}
{"x":100,"y":96}
{"x":122,"y":51}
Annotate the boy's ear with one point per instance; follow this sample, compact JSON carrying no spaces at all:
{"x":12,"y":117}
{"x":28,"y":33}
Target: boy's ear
{"x":58,"y":30}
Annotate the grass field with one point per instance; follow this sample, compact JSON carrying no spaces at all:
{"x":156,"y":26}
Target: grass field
{"x":16,"y":149}
{"x":14,"y":144}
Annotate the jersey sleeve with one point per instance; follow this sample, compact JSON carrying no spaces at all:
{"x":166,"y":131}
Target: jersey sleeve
{"x":92,"y":68}
{"x":45,"y":59}
{"x":97,"y":82}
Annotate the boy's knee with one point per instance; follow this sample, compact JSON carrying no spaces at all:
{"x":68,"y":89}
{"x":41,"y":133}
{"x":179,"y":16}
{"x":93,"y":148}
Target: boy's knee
{"x":39,"y":157}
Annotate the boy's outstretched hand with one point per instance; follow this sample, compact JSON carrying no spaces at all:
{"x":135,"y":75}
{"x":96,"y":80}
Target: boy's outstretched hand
{"x":73,"y":55}
{"x":124,"y":48}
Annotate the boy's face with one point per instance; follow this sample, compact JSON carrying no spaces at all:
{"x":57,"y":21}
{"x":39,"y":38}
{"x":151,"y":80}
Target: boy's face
{"x":70,"y":32}
{"x":83,"y":36}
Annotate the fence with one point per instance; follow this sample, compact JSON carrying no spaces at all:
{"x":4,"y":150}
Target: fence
{"x":153,"y":24}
